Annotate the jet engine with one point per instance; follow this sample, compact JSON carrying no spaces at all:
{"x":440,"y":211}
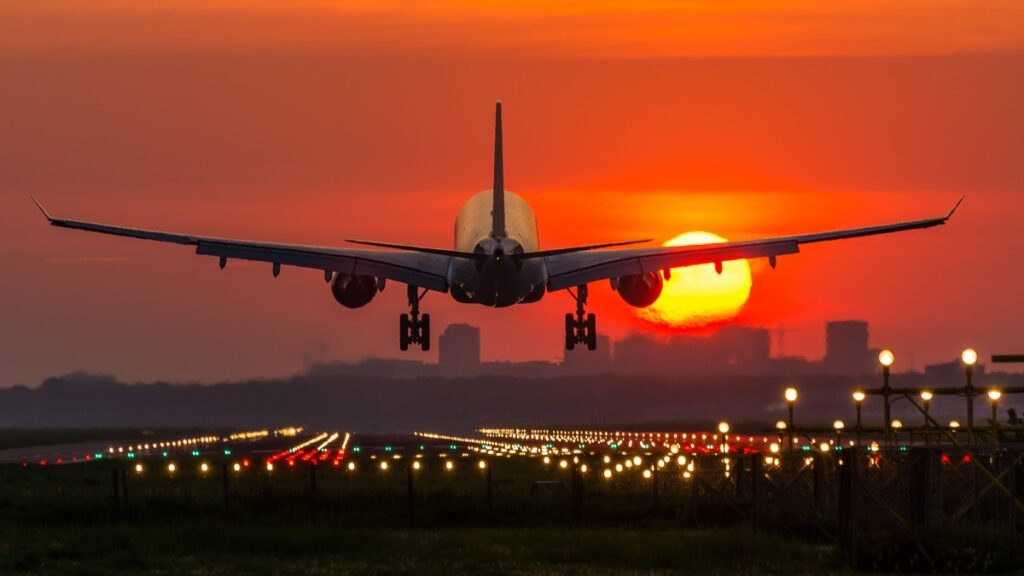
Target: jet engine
{"x":354,"y":291}
{"x":639,"y":290}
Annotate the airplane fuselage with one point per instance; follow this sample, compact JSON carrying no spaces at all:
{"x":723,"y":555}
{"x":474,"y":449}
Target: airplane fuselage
{"x":496,"y":280}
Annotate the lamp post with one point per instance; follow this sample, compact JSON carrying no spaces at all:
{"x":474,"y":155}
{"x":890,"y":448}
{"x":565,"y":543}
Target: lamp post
{"x":926,"y":399}
{"x":791,"y":395}
{"x":969,"y":357}
{"x":781,"y":426}
{"x":838,"y":426}
{"x":886,"y":359}
{"x":858,"y":399}
{"x":897,"y":425}
{"x":994,"y":396}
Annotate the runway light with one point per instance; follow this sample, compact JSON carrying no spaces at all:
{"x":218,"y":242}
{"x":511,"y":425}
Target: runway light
{"x":723,"y":427}
{"x":171,"y":467}
{"x":563,"y":464}
{"x":204,"y":467}
{"x":583,"y":468}
{"x":825,"y":447}
{"x":780,"y":425}
{"x":547,"y":460}
{"x":838,"y":425}
{"x":681,"y":460}
{"x":647,"y":473}
{"x":483,"y":464}
{"x":926,"y":396}
{"x":237,"y":467}
{"x":351,"y":466}
{"x":886,"y":358}
{"x":637,"y":461}
{"x":607,"y":459}
{"x":416,"y":465}
{"x":449,"y":465}
{"x":859,"y":396}
{"x":790,"y":394}
{"x":954,"y":424}
{"x":773,"y":447}
{"x":618,"y":467}
{"x":994,"y":395}
{"x":138,"y":468}
{"x":969,"y":356}
{"x":384,"y":465}
{"x":897,"y":424}
{"x":270,"y":466}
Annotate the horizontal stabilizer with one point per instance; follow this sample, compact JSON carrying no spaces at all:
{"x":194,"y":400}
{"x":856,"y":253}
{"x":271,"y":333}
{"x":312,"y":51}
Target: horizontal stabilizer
{"x":423,"y":249}
{"x":571,"y":249}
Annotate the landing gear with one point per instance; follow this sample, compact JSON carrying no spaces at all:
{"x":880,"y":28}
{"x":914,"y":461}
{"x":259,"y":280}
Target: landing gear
{"x":580,"y":328}
{"x":414,"y":329}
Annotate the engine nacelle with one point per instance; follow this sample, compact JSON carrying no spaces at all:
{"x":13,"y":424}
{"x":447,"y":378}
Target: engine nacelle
{"x":354,"y":291}
{"x":639,"y":290}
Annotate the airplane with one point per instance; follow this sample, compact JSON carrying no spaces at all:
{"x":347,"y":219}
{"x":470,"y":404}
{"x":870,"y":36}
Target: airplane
{"x":496,"y":260}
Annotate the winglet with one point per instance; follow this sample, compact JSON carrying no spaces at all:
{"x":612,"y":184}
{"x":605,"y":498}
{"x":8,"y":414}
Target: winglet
{"x":951,"y":212}
{"x":41,"y":209}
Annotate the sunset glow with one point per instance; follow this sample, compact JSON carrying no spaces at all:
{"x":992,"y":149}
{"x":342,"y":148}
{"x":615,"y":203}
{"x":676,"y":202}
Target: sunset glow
{"x":697,"y":295}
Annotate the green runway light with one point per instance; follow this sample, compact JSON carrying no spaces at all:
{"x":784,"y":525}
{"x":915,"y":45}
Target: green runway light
{"x":165,"y":454}
{"x":389,"y":448}
{"x":451,"y":446}
{"x":805,"y":448}
{"x":195,"y":452}
{"x":357,"y":449}
{"x":227,"y":452}
{"x":614,"y":446}
{"x":98,"y":456}
{"x":422,"y":447}
{"x":131,"y":455}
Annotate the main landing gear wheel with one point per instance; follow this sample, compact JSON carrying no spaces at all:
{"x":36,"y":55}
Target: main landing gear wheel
{"x":412,"y":328}
{"x":580,"y":328}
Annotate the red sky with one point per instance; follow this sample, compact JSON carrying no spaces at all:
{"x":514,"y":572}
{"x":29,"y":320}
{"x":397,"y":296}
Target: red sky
{"x":322,"y":121}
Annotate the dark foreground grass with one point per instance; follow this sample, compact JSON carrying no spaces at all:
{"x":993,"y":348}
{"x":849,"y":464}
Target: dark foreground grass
{"x":214,"y":547}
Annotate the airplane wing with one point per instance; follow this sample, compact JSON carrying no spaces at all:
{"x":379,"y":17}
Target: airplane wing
{"x":415,"y":268}
{"x":574,"y":269}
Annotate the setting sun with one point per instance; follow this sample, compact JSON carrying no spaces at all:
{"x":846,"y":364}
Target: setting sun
{"x":697,"y":295}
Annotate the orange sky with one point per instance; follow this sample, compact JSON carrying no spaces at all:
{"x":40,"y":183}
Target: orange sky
{"x":321,"y":121}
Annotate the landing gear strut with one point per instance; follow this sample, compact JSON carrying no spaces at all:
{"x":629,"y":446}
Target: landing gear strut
{"x":414,"y":329}
{"x":580,"y":328}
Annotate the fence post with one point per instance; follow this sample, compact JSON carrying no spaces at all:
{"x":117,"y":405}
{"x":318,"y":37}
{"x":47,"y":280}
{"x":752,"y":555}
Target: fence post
{"x":923,"y":487}
{"x":756,"y":490}
{"x":848,"y":485}
{"x":124,"y":488}
{"x":225,"y":481}
{"x":490,"y":490}
{"x":116,"y":493}
{"x":820,"y":479}
{"x":312,"y":486}
{"x":412,"y":495}
{"x":655,"y":487}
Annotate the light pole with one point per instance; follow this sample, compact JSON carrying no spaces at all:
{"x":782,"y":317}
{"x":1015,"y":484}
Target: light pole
{"x":886,"y":359}
{"x":897,"y":425}
{"x":926,"y":399}
{"x":838,"y":426}
{"x":781,"y":426}
{"x":994,"y":396}
{"x":969,"y":357}
{"x":791,"y":396}
{"x":858,"y":399}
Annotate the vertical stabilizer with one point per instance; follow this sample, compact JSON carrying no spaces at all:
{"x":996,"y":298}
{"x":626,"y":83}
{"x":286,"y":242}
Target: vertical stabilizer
{"x":498,"y":200}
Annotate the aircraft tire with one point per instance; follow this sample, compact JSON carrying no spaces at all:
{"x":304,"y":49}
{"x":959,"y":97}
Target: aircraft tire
{"x":403,"y":332}
{"x":591,"y":332}
{"x":425,"y":333}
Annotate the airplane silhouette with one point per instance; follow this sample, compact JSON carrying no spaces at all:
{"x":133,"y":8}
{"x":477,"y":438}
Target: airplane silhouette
{"x":496,"y":260}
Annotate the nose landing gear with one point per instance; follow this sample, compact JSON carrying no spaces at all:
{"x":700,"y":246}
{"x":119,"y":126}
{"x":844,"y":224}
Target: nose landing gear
{"x":414,"y":329}
{"x":580,"y":328}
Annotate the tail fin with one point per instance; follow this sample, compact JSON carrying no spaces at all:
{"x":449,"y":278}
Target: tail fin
{"x":498,"y":200}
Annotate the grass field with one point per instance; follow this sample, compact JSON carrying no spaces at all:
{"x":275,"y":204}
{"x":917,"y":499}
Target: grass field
{"x":62,"y":520}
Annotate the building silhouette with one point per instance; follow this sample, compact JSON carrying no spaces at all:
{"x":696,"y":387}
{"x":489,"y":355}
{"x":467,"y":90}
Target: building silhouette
{"x":459,"y":349}
{"x":846,"y":348}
